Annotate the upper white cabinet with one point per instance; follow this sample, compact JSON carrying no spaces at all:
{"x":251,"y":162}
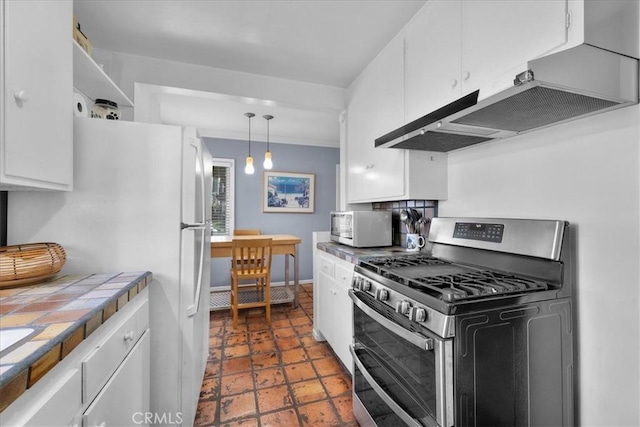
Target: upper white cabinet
{"x":376,"y":107}
{"x":457,"y":47}
{"x":36,"y":85}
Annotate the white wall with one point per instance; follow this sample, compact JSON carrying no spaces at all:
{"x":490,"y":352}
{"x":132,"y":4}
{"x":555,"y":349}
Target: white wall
{"x":588,"y":173}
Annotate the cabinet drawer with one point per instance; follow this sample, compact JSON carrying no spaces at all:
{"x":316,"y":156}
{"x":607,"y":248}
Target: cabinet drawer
{"x":343,"y":275}
{"x":326,"y":266}
{"x":98,"y":366}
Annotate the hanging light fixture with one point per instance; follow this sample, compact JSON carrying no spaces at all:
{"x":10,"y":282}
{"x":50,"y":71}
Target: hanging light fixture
{"x":248,"y":168}
{"x":268,"y":164}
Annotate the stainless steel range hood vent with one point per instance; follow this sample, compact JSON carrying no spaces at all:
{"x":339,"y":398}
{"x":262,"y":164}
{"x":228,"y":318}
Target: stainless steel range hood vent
{"x":554,"y":89}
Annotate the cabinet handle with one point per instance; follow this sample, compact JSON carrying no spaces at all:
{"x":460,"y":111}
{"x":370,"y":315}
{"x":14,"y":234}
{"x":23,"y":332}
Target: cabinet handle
{"x":129,"y":336}
{"x":21,"y":96}
{"x":466,"y":76}
{"x":454,"y":82}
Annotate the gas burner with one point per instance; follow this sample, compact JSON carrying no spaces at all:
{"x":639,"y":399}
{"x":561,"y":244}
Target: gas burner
{"x":382,"y":264}
{"x":451,"y":288}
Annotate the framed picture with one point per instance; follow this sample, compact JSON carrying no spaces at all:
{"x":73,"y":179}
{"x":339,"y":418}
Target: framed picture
{"x":288,"y":192}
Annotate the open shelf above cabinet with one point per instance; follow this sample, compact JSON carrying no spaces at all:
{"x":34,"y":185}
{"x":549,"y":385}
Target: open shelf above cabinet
{"x":90,"y":79}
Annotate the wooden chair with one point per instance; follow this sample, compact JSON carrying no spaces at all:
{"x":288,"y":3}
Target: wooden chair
{"x":251,"y":261}
{"x":246,"y":232}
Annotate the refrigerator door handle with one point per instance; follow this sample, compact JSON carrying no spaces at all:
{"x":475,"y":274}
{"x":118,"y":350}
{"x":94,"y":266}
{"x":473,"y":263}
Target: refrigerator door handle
{"x":193,"y":308}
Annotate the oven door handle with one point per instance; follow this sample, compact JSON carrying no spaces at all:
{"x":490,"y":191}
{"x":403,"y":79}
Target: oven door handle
{"x":414,"y":338}
{"x":388,"y":400}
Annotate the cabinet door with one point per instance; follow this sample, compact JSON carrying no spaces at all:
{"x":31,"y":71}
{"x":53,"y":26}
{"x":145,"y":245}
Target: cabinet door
{"x":376,"y":107}
{"x":343,"y":319}
{"x":325,"y":318}
{"x":499,"y":37}
{"x":432,"y":72}
{"x":124,"y":400}
{"x":37,"y":79}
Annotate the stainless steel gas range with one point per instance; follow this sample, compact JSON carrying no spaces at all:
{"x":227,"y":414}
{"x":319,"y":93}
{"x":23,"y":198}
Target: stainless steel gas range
{"x":480,"y":333}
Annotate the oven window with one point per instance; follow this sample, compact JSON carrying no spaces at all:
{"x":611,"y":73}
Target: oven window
{"x":404,"y":371}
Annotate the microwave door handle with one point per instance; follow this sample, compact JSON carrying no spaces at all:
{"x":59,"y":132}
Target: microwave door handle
{"x":411,"y":422}
{"x":414,"y":338}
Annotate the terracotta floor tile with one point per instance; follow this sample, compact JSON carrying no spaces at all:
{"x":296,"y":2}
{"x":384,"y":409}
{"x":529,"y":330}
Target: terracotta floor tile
{"x":236,"y":338}
{"x":299,"y":312}
{"x":212,"y":368}
{"x":210,"y":388}
{"x":308,"y":391}
{"x":287,"y":343}
{"x":308,"y":341}
{"x":328,"y":366}
{"x":278,"y":315}
{"x":259,"y":326}
{"x":300,"y":372}
{"x":337,"y":385}
{"x":298,"y":321}
{"x":295,"y":355}
{"x":236,"y":351}
{"x":280,"y":323}
{"x":318,"y":414}
{"x":287,"y":418}
{"x":215,"y":354}
{"x":284,"y":333}
{"x":215,"y":341}
{"x":236,"y":365}
{"x":274,"y":398}
{"x":236,"y":383}
{"x":344,"y":405}
{"x":257,"y":336}
{"x":206,"y":413}
{"x":304,"y":329}
{"x":245,"y":422}
{"x":269,"y":377}
{"x":319,"y":351}
{"x":264,"y":346}
{"x":265,"y":360}
{"x":216,"y":331}
{"x":237,"y":406}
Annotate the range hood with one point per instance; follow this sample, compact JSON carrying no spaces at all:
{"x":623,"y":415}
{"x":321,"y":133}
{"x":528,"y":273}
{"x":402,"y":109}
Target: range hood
{"x":554,"y":89}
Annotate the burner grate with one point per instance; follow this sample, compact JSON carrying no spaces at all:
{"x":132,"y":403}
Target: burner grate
{"x":382,"y":265}
{"x":472,"y":285}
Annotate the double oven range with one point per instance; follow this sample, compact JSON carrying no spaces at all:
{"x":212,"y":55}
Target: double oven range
{"x":479,"y":333}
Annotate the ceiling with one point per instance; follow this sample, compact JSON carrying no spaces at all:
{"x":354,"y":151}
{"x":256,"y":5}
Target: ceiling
{"x":327,"y":42}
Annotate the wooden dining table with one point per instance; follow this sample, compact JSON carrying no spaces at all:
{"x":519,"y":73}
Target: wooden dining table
{"x":283,"y":244}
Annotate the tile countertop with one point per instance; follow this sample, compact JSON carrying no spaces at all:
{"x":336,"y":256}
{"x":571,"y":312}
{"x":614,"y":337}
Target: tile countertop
{"x":63,"y":312}
{"x":353,"y":255}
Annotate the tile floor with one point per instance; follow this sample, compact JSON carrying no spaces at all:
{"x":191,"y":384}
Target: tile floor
{"x":273,"y":376}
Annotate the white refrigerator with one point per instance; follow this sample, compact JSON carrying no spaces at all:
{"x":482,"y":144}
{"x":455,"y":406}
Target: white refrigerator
{"x":141,"y":201}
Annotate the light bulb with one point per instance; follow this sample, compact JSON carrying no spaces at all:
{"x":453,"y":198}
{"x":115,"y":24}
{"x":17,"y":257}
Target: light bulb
{"x":268,"y":164}
{"x":248,"y":169}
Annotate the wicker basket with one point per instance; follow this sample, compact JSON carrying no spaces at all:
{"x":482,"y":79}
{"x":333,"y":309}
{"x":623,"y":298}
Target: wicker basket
{"x":30,"y":263}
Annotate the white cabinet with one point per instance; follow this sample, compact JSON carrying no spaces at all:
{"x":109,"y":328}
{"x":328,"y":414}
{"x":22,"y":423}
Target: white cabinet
{"x":36,"y":84}
{"x":376,"y":107}
{"x":335,"y":316}
{"x":457,"y":47}
{"x":124,"y":400}
{"x":104,"y":379}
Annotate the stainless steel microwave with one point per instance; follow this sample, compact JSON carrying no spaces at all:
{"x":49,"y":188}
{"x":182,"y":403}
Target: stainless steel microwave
{"x":361,"y":229}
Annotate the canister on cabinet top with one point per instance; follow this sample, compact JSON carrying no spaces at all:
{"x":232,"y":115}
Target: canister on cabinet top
{"x":105,"y":109}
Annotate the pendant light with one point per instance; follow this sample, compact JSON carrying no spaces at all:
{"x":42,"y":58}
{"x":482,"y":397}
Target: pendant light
{"x":248,"y":168}
{"x":268,"y":164}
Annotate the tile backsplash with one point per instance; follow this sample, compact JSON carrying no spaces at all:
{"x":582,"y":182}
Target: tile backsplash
{"x":428,"y":209}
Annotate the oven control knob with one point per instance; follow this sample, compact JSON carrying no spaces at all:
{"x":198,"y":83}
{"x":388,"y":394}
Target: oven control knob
{"x":365,"y":285}
{"x":418,"y":314}
{"x":356,"y":282}
{"x":382,"y":294}
{"x":403,"y":307}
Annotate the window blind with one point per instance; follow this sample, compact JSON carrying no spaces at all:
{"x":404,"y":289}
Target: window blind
{"x":222,"y":198}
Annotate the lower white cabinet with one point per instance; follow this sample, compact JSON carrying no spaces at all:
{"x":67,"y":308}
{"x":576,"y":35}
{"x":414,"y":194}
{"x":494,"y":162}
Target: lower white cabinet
{"x":124,"y":400}
{"x":335,"y":316}
{"x":104,"y":381}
